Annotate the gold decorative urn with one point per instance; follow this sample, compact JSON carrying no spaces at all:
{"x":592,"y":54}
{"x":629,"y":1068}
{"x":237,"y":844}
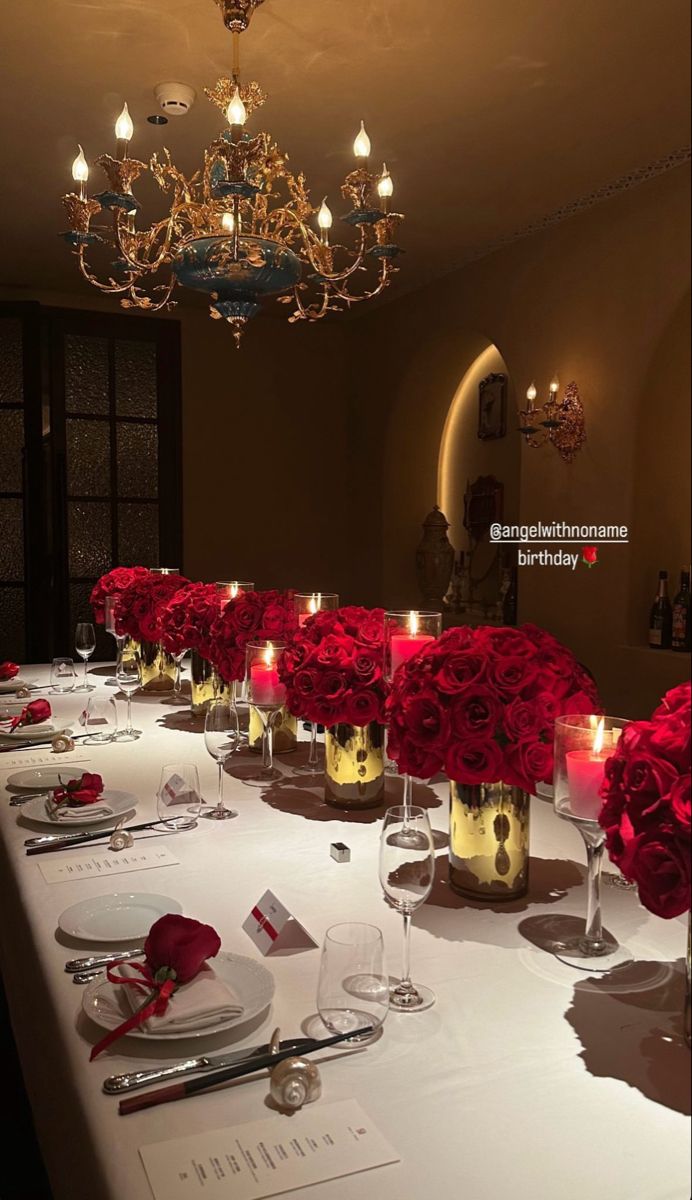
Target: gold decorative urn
{"x":434,"y":560}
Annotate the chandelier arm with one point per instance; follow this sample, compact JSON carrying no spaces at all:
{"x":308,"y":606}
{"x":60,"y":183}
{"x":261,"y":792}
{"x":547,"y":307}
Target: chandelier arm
{"x":311,"y":312}
{"x":148,"y":266}
{"x":142,"y":300}
{"x":383,"y":283}
{"x":112,"y":287}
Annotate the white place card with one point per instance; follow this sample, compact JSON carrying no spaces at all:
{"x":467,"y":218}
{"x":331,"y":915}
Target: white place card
{"x":39,"y":758}
{"x":86,"y":864}
{"x":268,"y":1157}
{"x":273,"y":928}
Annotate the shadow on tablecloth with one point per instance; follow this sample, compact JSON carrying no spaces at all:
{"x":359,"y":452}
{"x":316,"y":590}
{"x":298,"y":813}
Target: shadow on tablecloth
{"x":630,"y":1024}
{"x":303,"y":796}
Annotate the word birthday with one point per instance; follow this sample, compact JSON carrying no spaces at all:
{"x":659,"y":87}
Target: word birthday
{"x":547,"y":558}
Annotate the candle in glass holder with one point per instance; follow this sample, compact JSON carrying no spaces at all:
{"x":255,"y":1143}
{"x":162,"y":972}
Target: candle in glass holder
{"x":405,"y":643}
{"x":585,"y":772}
{"x":266,"y":689}
{"x":314,"y":606}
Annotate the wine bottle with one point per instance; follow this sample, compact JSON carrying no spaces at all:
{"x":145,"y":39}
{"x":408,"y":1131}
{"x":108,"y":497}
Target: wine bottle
{"x":661,"y":619}
{"x":682,"y":627}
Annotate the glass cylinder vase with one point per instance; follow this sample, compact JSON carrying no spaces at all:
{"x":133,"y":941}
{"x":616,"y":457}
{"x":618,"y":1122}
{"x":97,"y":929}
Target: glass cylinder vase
{"x":489,"y":841}
{"x":206,"y":684}
{"x":158,"y":668}
{"x":354,"y":765}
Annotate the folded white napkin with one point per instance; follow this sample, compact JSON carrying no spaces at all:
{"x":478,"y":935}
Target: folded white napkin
{"x":63,"y":813}
{"x":206,"y":1000}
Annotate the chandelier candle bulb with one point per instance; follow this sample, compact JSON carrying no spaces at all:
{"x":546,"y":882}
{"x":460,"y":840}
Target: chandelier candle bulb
{"x":124,"y":130}
{"x":267,"y":688}
{"x":325,"y":220}
{"x":585,"y":774}
{"x":80,"y":172}
{"x":554,"y":386}
{"x":236,"y":115}
{"x":362,"y":144}
{"x":385,"y":186}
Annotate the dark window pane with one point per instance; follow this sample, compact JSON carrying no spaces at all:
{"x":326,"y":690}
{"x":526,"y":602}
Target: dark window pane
{"x":88,"y":458}
{"x":11,"y":540}
{"x":81,"y":610}
{"x":86,"y":375}
{"x":138,"y":460}
{"x":12,"y":624}
{"x":89,"y":534}
{"x":138,"y":534}
{"x":11,"y":446}
{"x":135,"y":379}
{"x":11,"y":365}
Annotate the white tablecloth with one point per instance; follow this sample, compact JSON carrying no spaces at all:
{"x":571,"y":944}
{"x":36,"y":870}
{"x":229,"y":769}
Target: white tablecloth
{"x":528,"y":1079}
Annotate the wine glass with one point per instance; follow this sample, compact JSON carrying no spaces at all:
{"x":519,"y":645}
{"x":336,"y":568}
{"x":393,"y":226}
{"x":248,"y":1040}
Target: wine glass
{"x":583,"y":744}
{"x":407,"y":870}
{"x":128,"y":676}
{"x":405,"y":633}
{"x":221,"y":737}
{"x":63,"y":675}
{"x":85,"y":644}
{"x":306,"y":605}
{"x":179,"y":785}
{"x":178,"y":697}
{"x":267,"y":695}
{"x":353,"y":986}
{"x":100,"y":720}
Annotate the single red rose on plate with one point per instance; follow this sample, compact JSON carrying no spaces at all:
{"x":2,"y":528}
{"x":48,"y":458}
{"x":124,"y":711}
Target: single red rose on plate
{"x":32,"y":714}
{"x":77,"y":792}
{"x":8,"y":670}
{"x":180,"y":946}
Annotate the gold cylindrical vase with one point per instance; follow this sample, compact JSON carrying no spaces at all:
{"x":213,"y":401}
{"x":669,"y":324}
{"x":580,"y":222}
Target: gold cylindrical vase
{"x":354,"y":765}
{"x":158,"y":668}
{"x":284,"y":728}
{"x":206,"y":684}
{"x":489,"y":841}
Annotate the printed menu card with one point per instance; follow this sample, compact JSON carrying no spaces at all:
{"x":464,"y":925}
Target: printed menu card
{"x":268,"y":1157}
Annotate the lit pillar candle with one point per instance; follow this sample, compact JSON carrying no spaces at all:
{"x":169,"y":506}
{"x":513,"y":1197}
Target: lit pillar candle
{"x":266,"y":689}
{"x":405,"y":644}
{"x":585,"y":772}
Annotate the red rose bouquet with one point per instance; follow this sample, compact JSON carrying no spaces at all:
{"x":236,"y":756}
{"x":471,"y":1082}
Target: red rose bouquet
{"x":249,"y":617}
{"x":112,"y":584}
{"x":333,"y":667}
{"x":175,"y":951}
{"x":480,"y":704}
{"x":186,"y":620}
{"x":8,"y":670}
{"x":646,"y":810}
{"x":139,"y":604}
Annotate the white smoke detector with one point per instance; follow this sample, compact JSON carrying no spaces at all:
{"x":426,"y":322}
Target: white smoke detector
{"x":175,"y":98}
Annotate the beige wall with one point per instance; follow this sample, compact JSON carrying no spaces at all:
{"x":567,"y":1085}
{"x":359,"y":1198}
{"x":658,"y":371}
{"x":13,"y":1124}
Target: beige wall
{"x":593,"y":299}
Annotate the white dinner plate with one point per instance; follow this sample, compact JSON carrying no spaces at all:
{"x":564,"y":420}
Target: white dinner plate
{"x":45,"y":778}
{"x":30,"y":733}
{"x":120,"y":917}
{"x":252,"y":983}
{"x":120,"y":802}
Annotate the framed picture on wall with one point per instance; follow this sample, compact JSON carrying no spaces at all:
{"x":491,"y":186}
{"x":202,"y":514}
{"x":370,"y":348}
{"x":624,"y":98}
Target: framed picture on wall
{"x":492,"y":407}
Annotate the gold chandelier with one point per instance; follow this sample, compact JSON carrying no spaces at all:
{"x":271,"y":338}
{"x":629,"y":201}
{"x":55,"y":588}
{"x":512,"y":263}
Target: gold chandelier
{"x":243,"y":228}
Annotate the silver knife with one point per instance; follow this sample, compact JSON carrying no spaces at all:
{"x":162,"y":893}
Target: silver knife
{"x":115,"y":1084}
{"x":96,"y":961}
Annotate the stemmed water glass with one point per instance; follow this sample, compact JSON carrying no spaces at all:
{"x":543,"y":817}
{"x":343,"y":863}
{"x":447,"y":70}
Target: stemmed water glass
{"x":405,"y":633}
{"x":128,"y":676}
{"x":85,"y":644}
{"x":407,"y":870}
{"x":353,"y":988}
{"x":583,"y":744}
{"x":178,"y":697}
{"x":267,"y":695}
{"x":306,"y":605}
{"x":221,"y":737}
{"x":110,"y":627}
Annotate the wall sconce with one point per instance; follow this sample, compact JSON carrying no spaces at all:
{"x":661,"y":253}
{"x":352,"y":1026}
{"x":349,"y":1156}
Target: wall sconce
{"x":560,"y":422}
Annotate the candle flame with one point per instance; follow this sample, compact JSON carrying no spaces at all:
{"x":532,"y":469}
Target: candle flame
{"x":234,"y":590}
{"x":269,"y":654}
{"x":315,"y":602}
{"x":413,"y":623}
{"x":598,"y":737}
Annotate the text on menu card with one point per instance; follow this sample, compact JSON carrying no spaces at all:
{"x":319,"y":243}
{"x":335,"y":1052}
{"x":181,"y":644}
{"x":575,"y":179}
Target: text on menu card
{"x":95,"y":866}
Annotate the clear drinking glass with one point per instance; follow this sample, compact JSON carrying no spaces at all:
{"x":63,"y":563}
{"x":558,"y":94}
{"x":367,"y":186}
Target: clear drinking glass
{"x":110,"y":627}
{"x":221,"y":737}
{"x":63,"y":675}
{"x":583,"y":744}
{"x":407,"y":870}
{"x":179,"y":799}
{"x":85,"y":644}
{"x":128,"y":676}
{"x":100,"y":720}
{"x":405,"y":633}
{"x":267,"y":694}
{"x":353,"y":986}
{"x":306,"y":605}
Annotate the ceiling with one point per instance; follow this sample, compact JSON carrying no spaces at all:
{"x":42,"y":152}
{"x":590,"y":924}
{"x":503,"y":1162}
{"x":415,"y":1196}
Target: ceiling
{"x":489,"y":113}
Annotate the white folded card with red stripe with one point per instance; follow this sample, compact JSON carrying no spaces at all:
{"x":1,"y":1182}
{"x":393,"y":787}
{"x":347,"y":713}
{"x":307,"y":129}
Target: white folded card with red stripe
{"x":273,"y":928}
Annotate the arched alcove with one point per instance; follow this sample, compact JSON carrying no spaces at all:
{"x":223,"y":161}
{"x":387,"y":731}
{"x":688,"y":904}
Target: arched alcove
{"x":465,"y":456}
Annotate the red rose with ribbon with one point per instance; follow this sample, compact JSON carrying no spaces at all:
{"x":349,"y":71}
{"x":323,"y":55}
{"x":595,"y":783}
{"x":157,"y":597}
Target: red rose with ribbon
{"x":32,"y":714}
{"x":85,"y":790}
{"x":8,"y":670}
{"x":175,"y":951}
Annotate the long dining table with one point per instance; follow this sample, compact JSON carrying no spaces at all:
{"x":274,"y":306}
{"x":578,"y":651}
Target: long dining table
{"x":528,"y":1078}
